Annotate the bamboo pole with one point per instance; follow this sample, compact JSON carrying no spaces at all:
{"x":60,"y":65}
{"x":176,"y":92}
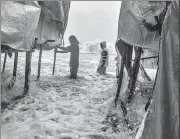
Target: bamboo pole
{"x":39,"y":62}
{"x":54,"y":64}
{"x":27,"y":71}
{"x":4,"y":63}
{"x":15,"y":64}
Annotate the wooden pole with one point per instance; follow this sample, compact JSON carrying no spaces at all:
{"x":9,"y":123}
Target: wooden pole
{"x":54,"y":64}
{"x":4,"y":63}
{"x":39,"y":62}
{"x":15,"y":64}
{"x":148,"y":57}
{"x":151,"y":97}
{"x":134,"y":73}
{"x":27,"y":72}
{"x":144,"y":73}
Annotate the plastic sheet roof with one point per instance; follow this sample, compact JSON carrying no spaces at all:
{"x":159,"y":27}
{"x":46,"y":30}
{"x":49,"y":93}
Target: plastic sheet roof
{"x":130,"y":27}
{"x":22,"y":21}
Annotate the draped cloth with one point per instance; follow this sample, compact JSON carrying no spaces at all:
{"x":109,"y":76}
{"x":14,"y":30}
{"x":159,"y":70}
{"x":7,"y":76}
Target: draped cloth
{"x":162,"y":120}
{"x":22,"y":21}
{"x":53,"y":21}
{"x":19,"y":21}
{"x":130,"y":27}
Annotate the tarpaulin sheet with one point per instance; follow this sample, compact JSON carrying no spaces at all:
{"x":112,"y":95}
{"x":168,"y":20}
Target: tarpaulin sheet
{"x":130,"y":27}
{"x":162,"y":121}
{"x":18,"y":23}
{"x":53,"y":21}
{"x":124,"y":86}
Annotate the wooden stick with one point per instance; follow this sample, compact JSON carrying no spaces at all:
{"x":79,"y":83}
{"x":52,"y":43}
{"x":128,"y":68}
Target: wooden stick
{"x":27,"y":72}
{"x":4,"y":63}
{"x":151,"y":97}
{"x":148,"y":57}
{"x":39,"y":62}
{"x":15,"y":64}
{"x":144,"y":72}
{"x":134,"y":73}
{"x":54,"y":64}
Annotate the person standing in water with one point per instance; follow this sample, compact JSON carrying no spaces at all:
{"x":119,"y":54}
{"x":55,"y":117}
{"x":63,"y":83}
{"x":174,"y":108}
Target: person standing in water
{"x":74,"y":57}
{"x":104,"y":60}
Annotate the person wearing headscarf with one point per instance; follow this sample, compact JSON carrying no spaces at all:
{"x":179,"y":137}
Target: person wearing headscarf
{"x":74,"y":57}
{"x":104,"y":60}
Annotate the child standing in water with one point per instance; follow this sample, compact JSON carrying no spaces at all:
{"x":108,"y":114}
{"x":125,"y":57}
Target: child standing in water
{"x":74,"y":57}
{"x":104,"y":60}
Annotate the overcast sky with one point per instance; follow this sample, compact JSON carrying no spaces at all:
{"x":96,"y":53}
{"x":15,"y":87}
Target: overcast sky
{"x":92,"y":20}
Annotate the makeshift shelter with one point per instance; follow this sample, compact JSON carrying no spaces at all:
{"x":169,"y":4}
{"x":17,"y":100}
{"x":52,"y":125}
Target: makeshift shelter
{"x":131,"y":29}
{"x":162,"y":121}
{"x":29,"y":25}
{"x":160,"y":32}
{"x":52,"y":22}
{"x":19,"y":20}
{"x":52,"y":25}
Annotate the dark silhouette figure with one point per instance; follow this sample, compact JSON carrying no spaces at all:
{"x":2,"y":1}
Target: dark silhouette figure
{"x":74,"y":57}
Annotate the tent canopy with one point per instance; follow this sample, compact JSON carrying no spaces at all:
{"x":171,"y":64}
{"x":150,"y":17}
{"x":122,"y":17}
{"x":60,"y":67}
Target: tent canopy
{"x":18,"y":23}
{"x":130,"y":27}
{"x":53,"y":20}
{"x":21,"y":21}
{"x":162,"y":121}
